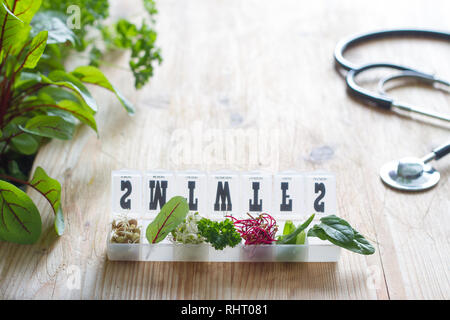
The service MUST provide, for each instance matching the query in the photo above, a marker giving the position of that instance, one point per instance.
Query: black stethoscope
(410, 174)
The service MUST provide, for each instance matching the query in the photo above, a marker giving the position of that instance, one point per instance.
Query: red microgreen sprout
(259, 230)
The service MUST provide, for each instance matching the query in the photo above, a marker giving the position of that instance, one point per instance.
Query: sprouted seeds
(125, 230)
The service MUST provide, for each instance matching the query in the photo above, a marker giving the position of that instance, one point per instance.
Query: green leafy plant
(187, 231)
(333, 229)
(289, 228)
(219, 233)
(292, 237)
(340, 232)
(36, 104)
(171, 215)
(139, 39)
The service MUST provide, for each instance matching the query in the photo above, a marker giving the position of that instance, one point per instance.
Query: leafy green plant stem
(26, 93)
(39, 100)
(8, 141)
(32, 185)
(13, 179)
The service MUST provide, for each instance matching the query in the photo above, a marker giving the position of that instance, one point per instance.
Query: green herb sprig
(219, 234)
(139, 39)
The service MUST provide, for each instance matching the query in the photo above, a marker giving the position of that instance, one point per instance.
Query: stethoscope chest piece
(409, 174)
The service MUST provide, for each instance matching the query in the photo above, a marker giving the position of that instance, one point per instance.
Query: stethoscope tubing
(381, 99)
(377, 99)
(347, 43)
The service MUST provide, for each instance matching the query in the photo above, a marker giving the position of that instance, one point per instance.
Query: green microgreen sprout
(187, 231)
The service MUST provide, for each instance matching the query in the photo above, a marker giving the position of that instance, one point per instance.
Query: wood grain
(255, 65)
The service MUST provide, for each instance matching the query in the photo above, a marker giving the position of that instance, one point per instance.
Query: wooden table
(251, 65)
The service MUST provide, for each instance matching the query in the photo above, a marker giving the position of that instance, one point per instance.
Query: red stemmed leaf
(20, 221)
(50, 190)
(15, 16)
(171, 215)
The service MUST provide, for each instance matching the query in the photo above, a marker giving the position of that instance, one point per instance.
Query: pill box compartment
(314, 250)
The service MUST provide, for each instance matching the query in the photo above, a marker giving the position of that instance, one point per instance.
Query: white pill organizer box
(286, 195)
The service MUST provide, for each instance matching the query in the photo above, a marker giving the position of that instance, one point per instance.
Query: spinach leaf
(339, 232)
(337, 228)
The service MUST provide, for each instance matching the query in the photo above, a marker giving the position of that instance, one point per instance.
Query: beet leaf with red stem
(36, 105)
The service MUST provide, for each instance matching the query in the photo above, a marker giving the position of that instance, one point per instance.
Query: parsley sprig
(219, 233)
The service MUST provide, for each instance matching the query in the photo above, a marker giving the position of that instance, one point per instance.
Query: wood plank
(254, 65)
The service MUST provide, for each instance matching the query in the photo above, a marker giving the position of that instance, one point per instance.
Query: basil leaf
(171, 215)
(20, 221)
(93, 75)
(50, 189)
(50, 127)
